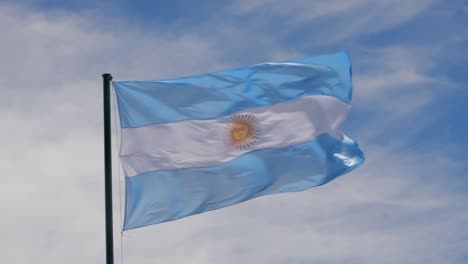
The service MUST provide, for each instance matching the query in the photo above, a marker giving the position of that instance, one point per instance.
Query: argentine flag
(200, 143)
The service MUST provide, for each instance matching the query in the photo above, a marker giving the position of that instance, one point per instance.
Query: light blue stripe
(223, 93)
(162, 196)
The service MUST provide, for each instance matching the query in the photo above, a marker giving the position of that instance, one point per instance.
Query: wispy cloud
(50, 108)
(333, 21)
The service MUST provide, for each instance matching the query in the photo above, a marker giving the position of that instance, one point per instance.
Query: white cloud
(51, 151)
(401, 84)
(334, 20)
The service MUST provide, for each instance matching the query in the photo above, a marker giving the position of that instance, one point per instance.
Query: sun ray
(242, 131)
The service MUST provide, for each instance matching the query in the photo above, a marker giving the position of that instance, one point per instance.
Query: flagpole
(107, 78)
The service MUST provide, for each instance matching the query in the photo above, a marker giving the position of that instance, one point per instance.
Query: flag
(200, 143)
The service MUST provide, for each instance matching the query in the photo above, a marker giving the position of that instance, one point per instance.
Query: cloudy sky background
(406, 204)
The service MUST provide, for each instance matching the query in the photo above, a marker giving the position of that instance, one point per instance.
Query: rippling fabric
(161, 196)
(222, 93)
(200, 143)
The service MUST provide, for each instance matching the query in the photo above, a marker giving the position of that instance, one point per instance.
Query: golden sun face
(242, 131)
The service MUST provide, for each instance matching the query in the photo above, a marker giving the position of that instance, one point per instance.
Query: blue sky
(407, 204)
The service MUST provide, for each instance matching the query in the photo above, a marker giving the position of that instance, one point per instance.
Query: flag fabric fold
(195, 144)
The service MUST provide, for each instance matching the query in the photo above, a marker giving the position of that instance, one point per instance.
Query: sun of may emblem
(242, 131)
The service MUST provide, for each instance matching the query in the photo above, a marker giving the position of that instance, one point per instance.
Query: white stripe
(202, 143)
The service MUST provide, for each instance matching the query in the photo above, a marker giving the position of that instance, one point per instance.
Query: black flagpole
(107, 78)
